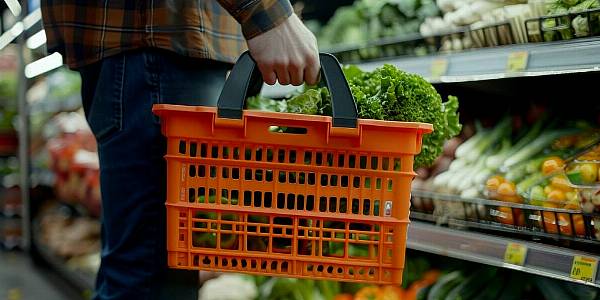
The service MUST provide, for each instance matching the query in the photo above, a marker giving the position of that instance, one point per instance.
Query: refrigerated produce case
(489, 83)
(502, 73)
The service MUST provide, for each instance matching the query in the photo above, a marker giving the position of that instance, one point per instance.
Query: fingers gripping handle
(245, 80)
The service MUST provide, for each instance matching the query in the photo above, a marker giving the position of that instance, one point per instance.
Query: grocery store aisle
(21, 280)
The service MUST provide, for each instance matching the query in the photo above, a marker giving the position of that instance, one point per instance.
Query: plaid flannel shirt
(87, 31)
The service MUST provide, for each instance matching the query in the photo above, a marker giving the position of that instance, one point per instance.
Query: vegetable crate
(287, 194)
(567, 26)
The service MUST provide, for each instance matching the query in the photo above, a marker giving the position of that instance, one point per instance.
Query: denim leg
(118, 94)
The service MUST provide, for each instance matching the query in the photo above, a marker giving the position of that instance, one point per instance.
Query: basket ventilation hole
(182, 147)
(203, 150)
(192, 195)
(193, 148)
(206, 261)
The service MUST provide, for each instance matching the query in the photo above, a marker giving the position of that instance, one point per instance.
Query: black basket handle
(245, 80)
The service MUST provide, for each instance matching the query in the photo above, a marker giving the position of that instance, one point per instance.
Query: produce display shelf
(551, 58)
(492, 215)
(544, 260)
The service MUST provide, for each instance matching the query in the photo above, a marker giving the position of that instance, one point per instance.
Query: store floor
(21, 280)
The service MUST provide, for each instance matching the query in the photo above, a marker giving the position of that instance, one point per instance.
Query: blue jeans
(118, 94)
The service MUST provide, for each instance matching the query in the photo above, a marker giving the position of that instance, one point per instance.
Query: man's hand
(287, 53)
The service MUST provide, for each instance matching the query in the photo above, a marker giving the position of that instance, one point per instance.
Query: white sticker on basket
(387, 210)
(183, 168)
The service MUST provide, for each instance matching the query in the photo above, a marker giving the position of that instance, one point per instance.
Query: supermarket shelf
(544, 260)
(574, 56)
(80, 280)
(555, 58)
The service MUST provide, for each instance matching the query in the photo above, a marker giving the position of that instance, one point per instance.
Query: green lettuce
(386, 93)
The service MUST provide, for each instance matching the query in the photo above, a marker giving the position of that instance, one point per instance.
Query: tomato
(552, 165)
(507, 192)
(494, 182)
(507, 189)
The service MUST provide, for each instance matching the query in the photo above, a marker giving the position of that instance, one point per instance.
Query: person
(133, 54)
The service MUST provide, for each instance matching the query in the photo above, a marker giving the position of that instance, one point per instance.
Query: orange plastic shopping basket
(287, 194)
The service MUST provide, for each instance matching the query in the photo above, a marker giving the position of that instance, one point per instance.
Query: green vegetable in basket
(390, 94)
(209, 239)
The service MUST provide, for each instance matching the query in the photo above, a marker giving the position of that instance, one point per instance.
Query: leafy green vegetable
(390, 94)
(265, 104)
(368, 20)
(387, 93)
(311, 102)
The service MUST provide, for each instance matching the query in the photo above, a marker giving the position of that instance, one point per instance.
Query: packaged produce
(584, 170)
(571, 19)
(555, 192)
(535, 176)
(583, 174)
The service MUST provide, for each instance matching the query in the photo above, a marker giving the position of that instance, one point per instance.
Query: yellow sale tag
(439, 67)
(584, 268)
(515, 254)
(517, 61)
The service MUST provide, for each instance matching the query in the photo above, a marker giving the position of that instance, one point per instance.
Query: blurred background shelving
(500, 58)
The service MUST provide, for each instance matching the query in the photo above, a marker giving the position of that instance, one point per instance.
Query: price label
(515, 254)
(517, 61)
(584, 268)
(439, 67)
